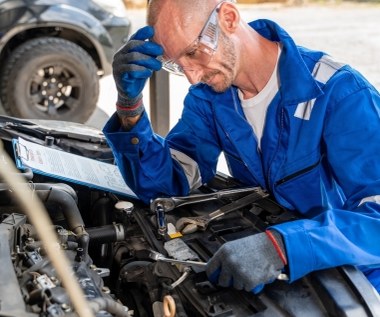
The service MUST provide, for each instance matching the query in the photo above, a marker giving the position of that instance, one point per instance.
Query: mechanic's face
(210, 58)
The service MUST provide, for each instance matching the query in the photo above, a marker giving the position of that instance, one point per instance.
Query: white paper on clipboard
(71, 167)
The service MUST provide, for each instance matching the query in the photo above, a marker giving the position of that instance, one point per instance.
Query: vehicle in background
(53, 53)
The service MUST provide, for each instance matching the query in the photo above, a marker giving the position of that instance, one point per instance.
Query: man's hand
(248, 262)
(132, 65)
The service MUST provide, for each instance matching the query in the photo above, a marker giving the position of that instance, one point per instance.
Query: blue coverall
(320, 155)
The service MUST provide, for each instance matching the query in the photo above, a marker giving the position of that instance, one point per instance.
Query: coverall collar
(291, 78)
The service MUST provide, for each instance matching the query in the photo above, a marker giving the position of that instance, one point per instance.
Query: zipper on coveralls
(298, 173)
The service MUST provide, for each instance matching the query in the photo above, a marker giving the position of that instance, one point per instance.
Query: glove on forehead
(135, 61)
(144, 33)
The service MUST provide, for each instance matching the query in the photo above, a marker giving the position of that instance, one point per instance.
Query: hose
(55, 194)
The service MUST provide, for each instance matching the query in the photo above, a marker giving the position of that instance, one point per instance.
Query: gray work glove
(132, 65)
(247, 263)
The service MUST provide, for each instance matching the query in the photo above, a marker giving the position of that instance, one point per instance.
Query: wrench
(157, 256)
(188, 225)
(170, 203)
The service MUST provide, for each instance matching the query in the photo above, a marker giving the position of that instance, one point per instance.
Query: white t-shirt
(255, 108)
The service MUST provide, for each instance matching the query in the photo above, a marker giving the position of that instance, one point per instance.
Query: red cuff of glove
(277, 246)
(130, 110)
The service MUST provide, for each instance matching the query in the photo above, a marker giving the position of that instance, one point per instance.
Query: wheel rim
(54, 89)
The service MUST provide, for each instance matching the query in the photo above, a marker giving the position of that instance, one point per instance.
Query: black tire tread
(43, 45)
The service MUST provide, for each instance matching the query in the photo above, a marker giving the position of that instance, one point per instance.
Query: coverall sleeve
(349, 235)
(154, 166)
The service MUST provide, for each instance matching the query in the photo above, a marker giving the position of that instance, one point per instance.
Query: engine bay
(133, 259)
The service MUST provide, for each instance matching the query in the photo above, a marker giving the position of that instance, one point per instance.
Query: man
(288, 119)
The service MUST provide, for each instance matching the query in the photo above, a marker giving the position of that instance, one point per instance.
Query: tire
(49, 78)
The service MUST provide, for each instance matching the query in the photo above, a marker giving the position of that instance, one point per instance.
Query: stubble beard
(227, 76)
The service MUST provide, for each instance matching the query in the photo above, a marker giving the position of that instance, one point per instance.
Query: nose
(193, 76)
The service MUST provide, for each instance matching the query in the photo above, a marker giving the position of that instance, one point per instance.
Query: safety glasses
(201, 50)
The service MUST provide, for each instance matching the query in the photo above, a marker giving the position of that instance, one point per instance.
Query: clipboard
(69, 167)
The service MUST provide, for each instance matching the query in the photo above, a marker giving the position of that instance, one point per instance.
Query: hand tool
(163, 204)
(157, 256)
(188, 225)
(169, 203)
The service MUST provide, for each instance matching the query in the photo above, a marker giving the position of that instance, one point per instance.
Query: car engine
(131, 259)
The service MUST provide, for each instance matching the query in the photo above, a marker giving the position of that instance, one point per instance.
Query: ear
(229, 17)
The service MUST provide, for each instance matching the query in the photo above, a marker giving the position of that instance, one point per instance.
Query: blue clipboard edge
(17, 153)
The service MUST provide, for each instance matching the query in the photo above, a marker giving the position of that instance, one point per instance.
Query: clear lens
(201, 57)
(171, 67)
(204, 54)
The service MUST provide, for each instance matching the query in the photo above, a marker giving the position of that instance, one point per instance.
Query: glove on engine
(247, 263)
(132, 65)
